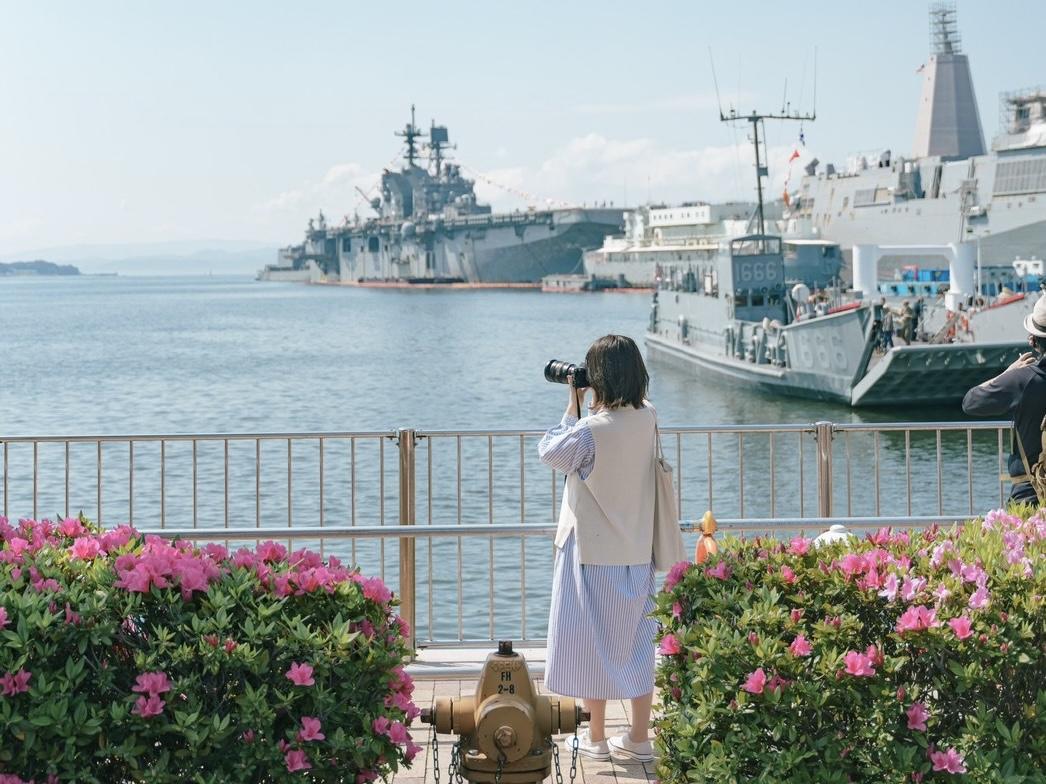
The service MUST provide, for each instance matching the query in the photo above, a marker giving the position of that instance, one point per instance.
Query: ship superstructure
(429, 227)
(950, 189)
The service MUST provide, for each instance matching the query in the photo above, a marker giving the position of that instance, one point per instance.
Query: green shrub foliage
(131, 659)
(905, 657)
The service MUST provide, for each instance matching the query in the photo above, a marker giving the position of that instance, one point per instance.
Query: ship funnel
(962, 266)
(866, 270)
(948, 123)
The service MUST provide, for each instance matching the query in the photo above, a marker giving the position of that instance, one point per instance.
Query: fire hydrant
(506, 729)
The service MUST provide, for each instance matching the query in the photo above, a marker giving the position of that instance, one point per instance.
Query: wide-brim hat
(1035, 322)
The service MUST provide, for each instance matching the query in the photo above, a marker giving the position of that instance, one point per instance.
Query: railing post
(407, 439)
(823, 434)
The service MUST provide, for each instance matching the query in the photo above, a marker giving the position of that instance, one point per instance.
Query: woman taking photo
(600, 638)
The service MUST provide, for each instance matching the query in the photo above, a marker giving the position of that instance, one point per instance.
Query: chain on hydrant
(506, 728)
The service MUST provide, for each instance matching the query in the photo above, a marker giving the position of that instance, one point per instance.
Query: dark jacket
(1019, 395)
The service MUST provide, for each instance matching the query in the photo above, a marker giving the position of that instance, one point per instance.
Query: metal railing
(470, 503)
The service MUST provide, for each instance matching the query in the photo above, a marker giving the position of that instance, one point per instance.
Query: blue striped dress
(600, 638)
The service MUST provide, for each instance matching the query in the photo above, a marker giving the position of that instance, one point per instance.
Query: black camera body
(557, 371)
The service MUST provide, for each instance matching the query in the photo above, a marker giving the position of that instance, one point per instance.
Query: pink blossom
(70, 527)
(71, 617)
(795, 615)
(911, 587)
(411, 751)
(310, 729)
(247, 736)
(85, 549)
(230, 645)
(271, 552)
(917, 618)
(800, 647)
(365, 776)
(721, 571)
(859, 665)
(917, 716)
(979, 598)
(300, 674)
(787, 574)
(889, 591)
(296, 760)
(15, 683)
(800, 545)
(677, 610)
(670, 645)
(675, 574)
(148, 706)
(152, 683)
(755, 682)
(4, 620)
(398, 733)
(961, 627)
(777, 682)
(375, 590)
(941, 592)
(949, 761)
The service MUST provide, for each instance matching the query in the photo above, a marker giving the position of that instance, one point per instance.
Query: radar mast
(411, 134)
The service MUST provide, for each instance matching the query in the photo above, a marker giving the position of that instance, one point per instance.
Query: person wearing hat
(1019, 392)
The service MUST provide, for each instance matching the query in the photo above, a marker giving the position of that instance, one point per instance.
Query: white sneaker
(624, 746)
(586, 747)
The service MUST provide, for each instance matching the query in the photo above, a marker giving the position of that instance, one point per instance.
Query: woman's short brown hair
(616, 372)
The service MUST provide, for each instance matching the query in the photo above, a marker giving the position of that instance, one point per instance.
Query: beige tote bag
(668, 540)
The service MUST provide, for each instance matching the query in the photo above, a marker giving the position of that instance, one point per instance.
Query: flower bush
(905, 657)
(134, 659)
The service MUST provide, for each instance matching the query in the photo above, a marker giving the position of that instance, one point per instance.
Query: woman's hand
(577, 397)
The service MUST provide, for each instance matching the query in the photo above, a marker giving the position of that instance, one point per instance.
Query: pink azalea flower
(979, 599)
(365, 776)
(941, 592)
(961, 627)
(795, 615)
(310, 729)
(300, 674)
(670, 645)
(70, 527)
(85, 548)
(787, 574)
(677, 610)
(247, 736)
(949, 761)
(675, 574)
(917, 716)
(4, 620)
(859, 665)
(911, 587)
(755, 682)
(889, 591)
(411, 751)
(375, 590)
(398, 733)
(148, 706)
(721, 571)
(15, 683)
(917, 618)
(800, 647)
(800, 545)
(381, 725)
(271, 552)
(152, 683)
(296, 760)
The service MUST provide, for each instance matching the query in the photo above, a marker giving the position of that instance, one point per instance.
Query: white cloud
(334, 193)
(594, 168)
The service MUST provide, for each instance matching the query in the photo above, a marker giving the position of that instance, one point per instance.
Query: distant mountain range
(220, 257)
(38, 267)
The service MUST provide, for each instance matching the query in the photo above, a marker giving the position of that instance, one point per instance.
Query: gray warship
(429, 228)
(950, 189)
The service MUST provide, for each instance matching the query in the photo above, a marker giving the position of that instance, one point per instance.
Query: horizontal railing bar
(726, 525)
(305, 436)
(121, 438)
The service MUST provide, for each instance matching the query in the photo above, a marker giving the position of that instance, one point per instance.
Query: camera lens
(557, 371)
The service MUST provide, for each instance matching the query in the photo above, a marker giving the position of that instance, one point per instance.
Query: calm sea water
(124, 355)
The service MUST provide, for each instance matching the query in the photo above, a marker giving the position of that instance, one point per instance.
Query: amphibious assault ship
(429, 228)
(951, 189)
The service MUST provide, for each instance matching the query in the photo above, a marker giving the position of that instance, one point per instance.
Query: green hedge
(904, 657)
(130, 659)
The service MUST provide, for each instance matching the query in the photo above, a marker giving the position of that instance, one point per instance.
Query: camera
(557, 371)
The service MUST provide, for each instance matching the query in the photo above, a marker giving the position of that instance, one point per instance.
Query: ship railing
(460, 522)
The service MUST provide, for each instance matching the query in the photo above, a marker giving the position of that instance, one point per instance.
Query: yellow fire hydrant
(506, 729)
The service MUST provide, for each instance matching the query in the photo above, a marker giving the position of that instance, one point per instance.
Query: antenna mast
(411, 134)
(756, 119)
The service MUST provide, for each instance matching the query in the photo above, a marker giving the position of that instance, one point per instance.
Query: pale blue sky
(143, 122)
